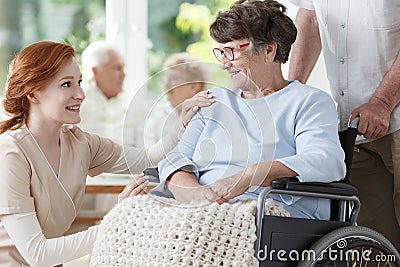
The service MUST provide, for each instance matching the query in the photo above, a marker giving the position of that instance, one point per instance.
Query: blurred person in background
(183, 77)
(103, 111)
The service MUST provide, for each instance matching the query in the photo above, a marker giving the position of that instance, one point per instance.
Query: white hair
(189, 66)
(95, 55)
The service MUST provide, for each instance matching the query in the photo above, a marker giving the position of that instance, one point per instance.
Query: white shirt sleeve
(307, 4)
(316, 141)
(25, 231)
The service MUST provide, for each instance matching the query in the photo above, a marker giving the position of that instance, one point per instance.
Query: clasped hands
(220, 191)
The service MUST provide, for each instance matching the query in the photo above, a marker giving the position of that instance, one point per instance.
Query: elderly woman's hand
(191, 106)
(232, 186)
(201, 195)
(198, 194)
(258, 174)
(137, 186)
(186, 188)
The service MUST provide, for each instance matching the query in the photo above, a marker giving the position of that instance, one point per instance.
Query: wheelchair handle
(354, 123)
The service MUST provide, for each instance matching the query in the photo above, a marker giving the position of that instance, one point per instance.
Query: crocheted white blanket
(154, 231)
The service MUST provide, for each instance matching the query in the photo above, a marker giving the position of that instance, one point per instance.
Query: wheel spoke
(354, 246)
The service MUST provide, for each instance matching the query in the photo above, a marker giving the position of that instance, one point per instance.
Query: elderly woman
(261, 129)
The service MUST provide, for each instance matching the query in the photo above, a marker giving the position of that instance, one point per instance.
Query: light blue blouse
(297, 126)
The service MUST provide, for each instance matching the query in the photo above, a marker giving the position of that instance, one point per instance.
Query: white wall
(126, 28)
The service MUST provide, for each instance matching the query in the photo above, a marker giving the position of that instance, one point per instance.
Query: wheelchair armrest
(152, 173)
(291, 186)
(336, 188)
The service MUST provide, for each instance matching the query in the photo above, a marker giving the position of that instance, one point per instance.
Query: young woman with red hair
(45, 158)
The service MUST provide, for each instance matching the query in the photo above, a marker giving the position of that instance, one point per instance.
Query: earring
(32, 97)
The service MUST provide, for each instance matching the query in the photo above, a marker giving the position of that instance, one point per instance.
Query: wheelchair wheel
(351, 246)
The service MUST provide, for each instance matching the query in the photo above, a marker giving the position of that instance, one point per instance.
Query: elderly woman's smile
(253, 69)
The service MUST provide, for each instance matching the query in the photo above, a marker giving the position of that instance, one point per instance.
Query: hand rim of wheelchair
(353, 237)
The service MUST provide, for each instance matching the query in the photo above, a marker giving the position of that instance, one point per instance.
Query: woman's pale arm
(137, 186)
(259, 174)
(25, 231)
(134, 159)
(186, 188)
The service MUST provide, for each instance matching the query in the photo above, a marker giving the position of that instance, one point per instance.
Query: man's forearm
(388, 92)
(307, 47)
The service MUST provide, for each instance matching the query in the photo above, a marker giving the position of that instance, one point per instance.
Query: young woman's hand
(138, 186)
(191, 106)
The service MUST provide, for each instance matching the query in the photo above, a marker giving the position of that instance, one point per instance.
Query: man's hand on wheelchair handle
(374, 118)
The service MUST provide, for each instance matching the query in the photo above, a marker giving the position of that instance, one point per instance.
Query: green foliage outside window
(26, 21)
(191, 23)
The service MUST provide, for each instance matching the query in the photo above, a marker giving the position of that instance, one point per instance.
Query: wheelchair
(287, 241)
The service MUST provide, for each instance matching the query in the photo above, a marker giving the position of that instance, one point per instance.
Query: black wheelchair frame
(286, 241)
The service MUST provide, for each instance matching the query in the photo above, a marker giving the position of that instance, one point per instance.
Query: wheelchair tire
(352, 246)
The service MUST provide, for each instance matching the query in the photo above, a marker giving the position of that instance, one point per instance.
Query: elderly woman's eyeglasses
(227, 52)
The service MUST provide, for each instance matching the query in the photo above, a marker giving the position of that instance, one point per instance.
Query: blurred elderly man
(104, 108)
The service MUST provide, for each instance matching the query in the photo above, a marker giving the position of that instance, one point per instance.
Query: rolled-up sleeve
(307, 4)
(319, 157)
